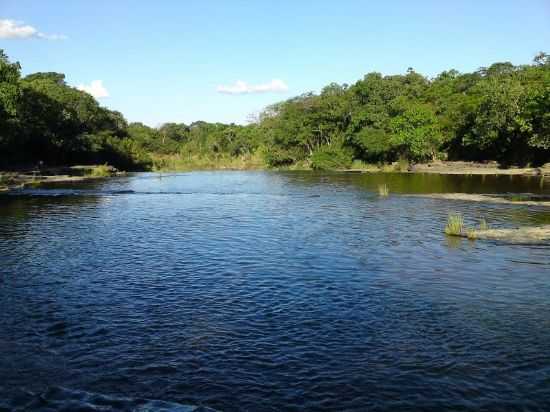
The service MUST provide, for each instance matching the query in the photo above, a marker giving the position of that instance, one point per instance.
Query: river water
(266, 291)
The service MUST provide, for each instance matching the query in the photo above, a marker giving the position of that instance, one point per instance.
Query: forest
(500, 112)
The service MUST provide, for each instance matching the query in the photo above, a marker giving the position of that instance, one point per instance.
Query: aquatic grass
(483, 225)
(473, 233)
(383, 190)
(455, 225)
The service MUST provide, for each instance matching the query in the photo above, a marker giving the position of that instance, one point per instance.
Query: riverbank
(255, 161)
(474, 168)
(451, 168)
(19, 179)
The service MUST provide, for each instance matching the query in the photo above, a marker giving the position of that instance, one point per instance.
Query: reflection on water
(272, 291)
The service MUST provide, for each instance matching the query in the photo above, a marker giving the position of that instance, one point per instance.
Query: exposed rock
(530, 200)
(516, 235)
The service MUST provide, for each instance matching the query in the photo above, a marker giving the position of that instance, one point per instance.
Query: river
(270, 291)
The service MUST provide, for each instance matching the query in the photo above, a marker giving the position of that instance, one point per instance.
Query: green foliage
(331, 158)
(497, 113)
(501, 112)
(416, 133)
(10, 95)
(374, 144)
(47, 120)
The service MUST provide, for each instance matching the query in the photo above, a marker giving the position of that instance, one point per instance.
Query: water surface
(272, 291)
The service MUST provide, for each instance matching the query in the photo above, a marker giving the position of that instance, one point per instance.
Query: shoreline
(438, 167)
(456, 168)
(13, 179)
(16, 180)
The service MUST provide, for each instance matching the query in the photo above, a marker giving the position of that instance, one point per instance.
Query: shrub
(275, 157)
(331, 158)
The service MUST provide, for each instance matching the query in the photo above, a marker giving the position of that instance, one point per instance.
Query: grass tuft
(383, 190)
(483, 225)
(402, 165)
(455, 225)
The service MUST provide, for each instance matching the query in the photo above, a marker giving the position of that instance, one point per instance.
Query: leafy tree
(416, 133)
(10, 95)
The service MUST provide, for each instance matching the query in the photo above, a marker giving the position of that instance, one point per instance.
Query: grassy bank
(178, 162)
(256, 161)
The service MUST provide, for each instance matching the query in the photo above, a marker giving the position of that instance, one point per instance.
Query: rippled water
(271, 291)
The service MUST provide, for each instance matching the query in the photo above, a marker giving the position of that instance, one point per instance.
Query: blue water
(273, 291)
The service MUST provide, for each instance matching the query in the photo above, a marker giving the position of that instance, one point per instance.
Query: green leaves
(416, 134)
(10, 90)
(497, 113)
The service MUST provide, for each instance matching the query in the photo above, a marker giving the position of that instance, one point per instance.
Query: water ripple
(268, 292)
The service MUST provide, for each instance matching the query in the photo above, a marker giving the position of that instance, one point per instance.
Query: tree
(10, 96)
(416, 133)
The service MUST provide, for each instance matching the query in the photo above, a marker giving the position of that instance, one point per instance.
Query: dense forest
(501, 112)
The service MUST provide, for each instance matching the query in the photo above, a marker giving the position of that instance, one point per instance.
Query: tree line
(500, 112)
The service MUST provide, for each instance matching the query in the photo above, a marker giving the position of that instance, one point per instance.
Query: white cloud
(241, 87)
(51, 36)
(95, 88)
(11, 29)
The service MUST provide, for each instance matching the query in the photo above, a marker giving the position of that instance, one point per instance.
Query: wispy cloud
(241, 87)
(12, 29)
(95, 88)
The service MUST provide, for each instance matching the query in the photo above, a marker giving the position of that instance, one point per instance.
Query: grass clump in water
(483, 225)
(473, 233)
(383, 190)
(455, 225)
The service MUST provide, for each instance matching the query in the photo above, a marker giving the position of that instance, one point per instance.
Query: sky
(183, 61)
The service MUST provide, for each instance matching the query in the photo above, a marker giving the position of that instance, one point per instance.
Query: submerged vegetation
(501, 113)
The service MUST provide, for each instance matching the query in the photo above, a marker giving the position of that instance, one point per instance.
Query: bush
(331, 158)
(275, 157)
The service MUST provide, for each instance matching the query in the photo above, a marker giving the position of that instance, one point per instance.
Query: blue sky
(165, 60)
